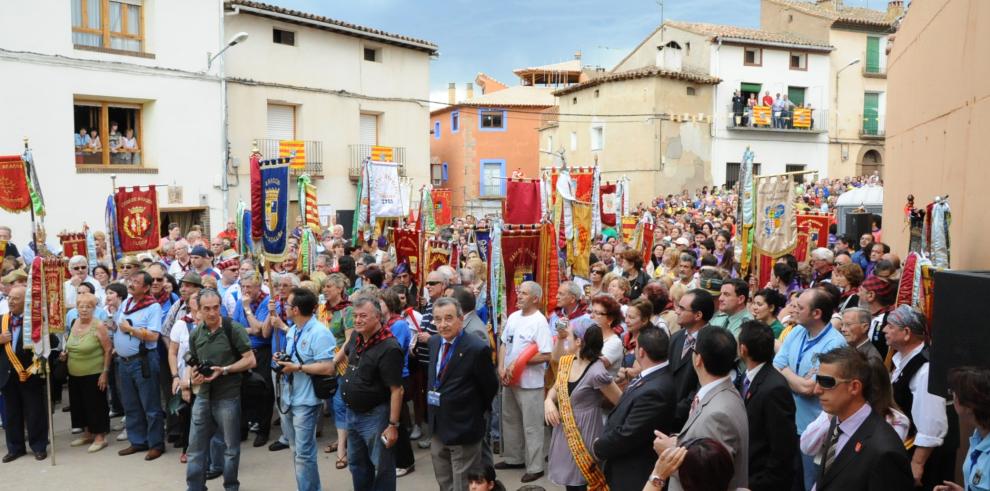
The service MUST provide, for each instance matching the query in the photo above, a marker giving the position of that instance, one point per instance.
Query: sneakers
(416, 433)
(424, 444)
(406, 471)
(76, 431)
(122, 436)
(120, 424)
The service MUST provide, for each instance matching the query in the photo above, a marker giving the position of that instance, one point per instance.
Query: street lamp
(238, 38)
(835, 107)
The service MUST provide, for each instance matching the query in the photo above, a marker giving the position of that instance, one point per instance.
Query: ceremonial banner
(295, 151)
(745, 218)
(522, 202)
(407, 249)
(425, 220)
(812, 234)
(137, 219)
(34, 184)
(113, 235)
(73, 244)
(362, 208)
(519, 259)
(776, 225)
(761, 115)
(242, 219)
(35, 302)
(441, 205)
(608, 204)
(54, 273)
(628, 228)
(307, 204)
(15, 196)
(275, 189)
(384, 192)
(548, 272)
(646, 237)
(382, 154)
(438, 255)
(579, 247)
(257, 200)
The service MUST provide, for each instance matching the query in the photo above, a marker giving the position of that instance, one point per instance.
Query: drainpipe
(224, 130)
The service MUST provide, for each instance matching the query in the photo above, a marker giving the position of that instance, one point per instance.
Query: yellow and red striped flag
(285, 149)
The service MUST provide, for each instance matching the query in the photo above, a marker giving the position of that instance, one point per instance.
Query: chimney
(577, 55)
(470, 90)
(895, 8)
(452, 93)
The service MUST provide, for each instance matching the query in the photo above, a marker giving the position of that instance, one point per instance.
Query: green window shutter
(748, 87)
(871, 113)
(872, 54)
(796, 95)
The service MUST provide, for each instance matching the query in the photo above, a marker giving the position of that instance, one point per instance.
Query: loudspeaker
(858, 224)
(960, 333)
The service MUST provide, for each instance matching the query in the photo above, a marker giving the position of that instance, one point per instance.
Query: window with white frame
(573, 141)
(597, 137)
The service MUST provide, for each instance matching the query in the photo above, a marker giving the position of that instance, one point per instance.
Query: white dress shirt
(927, 411)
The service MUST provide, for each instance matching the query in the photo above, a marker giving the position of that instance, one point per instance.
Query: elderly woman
(607, 315)
(337, 314)
(88, 354)
(848, 277)
(79, 271)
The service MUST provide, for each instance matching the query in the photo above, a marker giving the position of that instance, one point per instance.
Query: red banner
(407, 250)
(522, 202)
(257, 202)
(647, 242)
(442, 212)
(438, 254)
(607, 205)
(583, 177)
(14, 194)
(548, 272)
(37, 282)
(54, 275)
(812, 234)
(73, 244)
(137, 219)
(519, 258)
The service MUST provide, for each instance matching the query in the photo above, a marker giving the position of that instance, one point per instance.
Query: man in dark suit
(773, 440)
(694, 310)
(24, 393)
(626, 443)
(461, 386)
(861, 450)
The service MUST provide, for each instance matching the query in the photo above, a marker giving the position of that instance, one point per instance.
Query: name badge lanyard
(445, 360)
(807, 344)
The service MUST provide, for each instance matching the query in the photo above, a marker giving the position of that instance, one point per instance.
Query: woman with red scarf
(338, 315)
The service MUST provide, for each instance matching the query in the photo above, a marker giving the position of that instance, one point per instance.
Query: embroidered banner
(628, 228)
(522, 201)
(257, 200)
(548, 273)
(812, 234)
(15, 196)
(54, 273)
(646, 239)
(438, 255)
(307, 203)
(297, 159)
(275, 190)
(73, 244)
(137, 219)
(519, 258)
(407, 249)
(579, 247)
(36, 302)
(608, 205)
(383, 188)
(441, 205)
(776, 226)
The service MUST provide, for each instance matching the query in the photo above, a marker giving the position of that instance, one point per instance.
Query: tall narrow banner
(425, 221)
(137, 219)
(384, 192)
(438, 254)
(548, 272)
(361, 208)
(596, 202)
(275, 189)
(579, 247)
(746, 219)
(54, 273)
(482, 237)
(812, 233)
(442, 213)
(15, 196)
(776, 223)
(73, 244)
(519, 259)
(242, 220)
(113, 235)
(496, 278)
(257, 199)
(407, 250)
(295, 150)
(34, 184)
(522, 202)
(628, 228)
(608, 204)
(646, 228)
(307, 203)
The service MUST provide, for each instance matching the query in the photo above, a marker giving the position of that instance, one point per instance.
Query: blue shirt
(260, 313)
(315, 344)
(976, 467)
(149, 318)
(800, 354)
(400, 329)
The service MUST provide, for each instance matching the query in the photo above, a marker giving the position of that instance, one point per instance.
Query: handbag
(324, 386)
(176, 404)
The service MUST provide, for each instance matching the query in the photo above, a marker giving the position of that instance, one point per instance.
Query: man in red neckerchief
(23, 392)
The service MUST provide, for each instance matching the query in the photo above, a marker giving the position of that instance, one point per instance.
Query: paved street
(260, 469)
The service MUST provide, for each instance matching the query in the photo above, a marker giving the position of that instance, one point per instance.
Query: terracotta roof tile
(647, 72)
(845, 14)
(748, 34)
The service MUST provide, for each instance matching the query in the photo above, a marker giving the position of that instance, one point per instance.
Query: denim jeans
(372, 465)
(211, 417)
(299, 426)
(142, 402)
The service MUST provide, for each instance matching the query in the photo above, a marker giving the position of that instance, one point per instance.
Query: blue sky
(496, 37)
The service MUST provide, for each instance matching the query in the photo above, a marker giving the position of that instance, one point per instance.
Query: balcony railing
(313, 154)
(550, 117)
(361, 152)
(873, 127)
(763, 118)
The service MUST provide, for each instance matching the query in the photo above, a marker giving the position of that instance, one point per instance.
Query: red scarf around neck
(333, 309)
(163, 297)
(132, 306)
(366, 344)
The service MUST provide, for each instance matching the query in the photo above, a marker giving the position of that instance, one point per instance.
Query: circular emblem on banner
(136, 224)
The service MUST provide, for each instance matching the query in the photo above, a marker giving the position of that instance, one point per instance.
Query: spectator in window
(750, 104)
(116, 142)
(130, 146)
(778, 108)
(767, 100)
(737, 108)
(82, 140)
(95, 143)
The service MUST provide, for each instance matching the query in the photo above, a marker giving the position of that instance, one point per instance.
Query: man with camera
(309, 354)
(219, 352)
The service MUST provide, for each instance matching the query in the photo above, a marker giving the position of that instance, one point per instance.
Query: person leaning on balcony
(778, 108)
(130, 147)
(750, 104)
(767, 100)
(737, 108)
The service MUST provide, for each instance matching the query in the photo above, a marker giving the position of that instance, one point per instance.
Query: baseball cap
(200, 251)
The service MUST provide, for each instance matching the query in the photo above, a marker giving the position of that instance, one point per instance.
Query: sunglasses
(78, 268)
(158, 280)
(827, 382)
(432, 283)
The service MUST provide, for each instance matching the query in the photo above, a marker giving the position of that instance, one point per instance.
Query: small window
(732, 170)
(753, 56)
(574, 100)
(573, 141)
(115, 25)
(492, 119)
(372, 54)
(596, 93)
(799, 61)
(550, 143)
(597, 137)
(493, 178)
(436, 130)
(796, 168)
(287, 38)
(107, 133)
(691, 91)
(455, 121)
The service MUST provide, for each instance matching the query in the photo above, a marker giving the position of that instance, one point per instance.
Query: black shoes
(506, 465)
(527, 477)
(12, 457)
(275, 447)
(260, 440)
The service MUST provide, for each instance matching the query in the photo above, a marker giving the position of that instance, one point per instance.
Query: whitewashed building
(753, 61)
(69, 65)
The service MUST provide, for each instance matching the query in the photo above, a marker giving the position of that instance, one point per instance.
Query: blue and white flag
(275, 200)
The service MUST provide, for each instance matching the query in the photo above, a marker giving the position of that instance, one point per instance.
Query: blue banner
(275, 199)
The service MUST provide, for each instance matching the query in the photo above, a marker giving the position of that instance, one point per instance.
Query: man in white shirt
(522, 404)
(182, 262)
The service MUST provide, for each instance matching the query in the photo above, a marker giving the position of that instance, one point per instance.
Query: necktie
(833, 445)
(688, 346)
(745, 387)
(635, 382)
(694, 405)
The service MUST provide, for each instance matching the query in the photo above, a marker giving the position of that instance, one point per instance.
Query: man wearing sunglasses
(79, 269)
(861, 450)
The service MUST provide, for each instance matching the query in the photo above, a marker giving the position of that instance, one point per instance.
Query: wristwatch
(225, 369)
(656, 481)
(394, 425)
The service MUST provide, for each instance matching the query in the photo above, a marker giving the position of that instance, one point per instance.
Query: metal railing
(361, 152)
(873, 126)
(313, 154)
(763, 118)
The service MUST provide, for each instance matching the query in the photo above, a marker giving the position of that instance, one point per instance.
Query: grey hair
(863, 315)
(207, 293)
(448, 273)
(339, 280)
(823, 254)
(467, 275)
(572, 288)
(534, 288)
(250, 275)
(443, 301)
(77, 259)
(907, 317)
(687, 257)
(291, 276)
(362, 300)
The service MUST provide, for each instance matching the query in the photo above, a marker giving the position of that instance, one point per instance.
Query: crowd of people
(677, 372)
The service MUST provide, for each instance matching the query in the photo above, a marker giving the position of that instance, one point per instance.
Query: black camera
(205, 368)
(280, 357)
